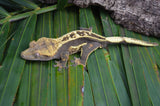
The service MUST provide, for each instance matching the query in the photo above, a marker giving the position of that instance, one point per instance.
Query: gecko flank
(84, 41)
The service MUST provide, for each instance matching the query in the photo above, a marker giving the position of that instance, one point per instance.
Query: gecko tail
(129, 41)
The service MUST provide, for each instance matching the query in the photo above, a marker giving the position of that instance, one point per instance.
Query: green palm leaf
(3, 13)
(12, 68)
(61, 4)
(118, 75)
(26, 4)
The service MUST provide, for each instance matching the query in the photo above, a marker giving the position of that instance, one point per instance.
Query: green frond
(61, 4)
(3, 13)
(26, 4)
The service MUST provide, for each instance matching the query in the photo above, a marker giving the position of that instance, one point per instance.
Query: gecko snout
(22, 55)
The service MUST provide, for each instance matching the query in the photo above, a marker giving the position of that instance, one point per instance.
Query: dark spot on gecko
(65, 38)
(87, 33)
(80, 33)
(72, 35)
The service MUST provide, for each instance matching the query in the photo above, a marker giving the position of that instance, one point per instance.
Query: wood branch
(142, 16)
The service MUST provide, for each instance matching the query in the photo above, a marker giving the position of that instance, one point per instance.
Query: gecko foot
(59, 65)
(77, 61)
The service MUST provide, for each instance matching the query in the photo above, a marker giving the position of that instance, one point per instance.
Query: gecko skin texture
(84, 41)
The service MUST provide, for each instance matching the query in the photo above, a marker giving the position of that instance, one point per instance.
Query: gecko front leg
(85, 52)
(62, 63)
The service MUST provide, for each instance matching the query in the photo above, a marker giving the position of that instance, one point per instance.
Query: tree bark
(142, 16)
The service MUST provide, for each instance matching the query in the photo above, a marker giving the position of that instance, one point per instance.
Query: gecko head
(41, 50)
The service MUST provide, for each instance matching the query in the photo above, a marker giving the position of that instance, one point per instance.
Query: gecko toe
(54, 65)
(58, 64)
(75, 58)
(60, 69)
(72, 61)
(76, 61)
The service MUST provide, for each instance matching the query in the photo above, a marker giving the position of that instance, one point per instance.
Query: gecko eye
(37, 54)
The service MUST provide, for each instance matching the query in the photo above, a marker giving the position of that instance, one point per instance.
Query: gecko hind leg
(85, 52)
(62, 63)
